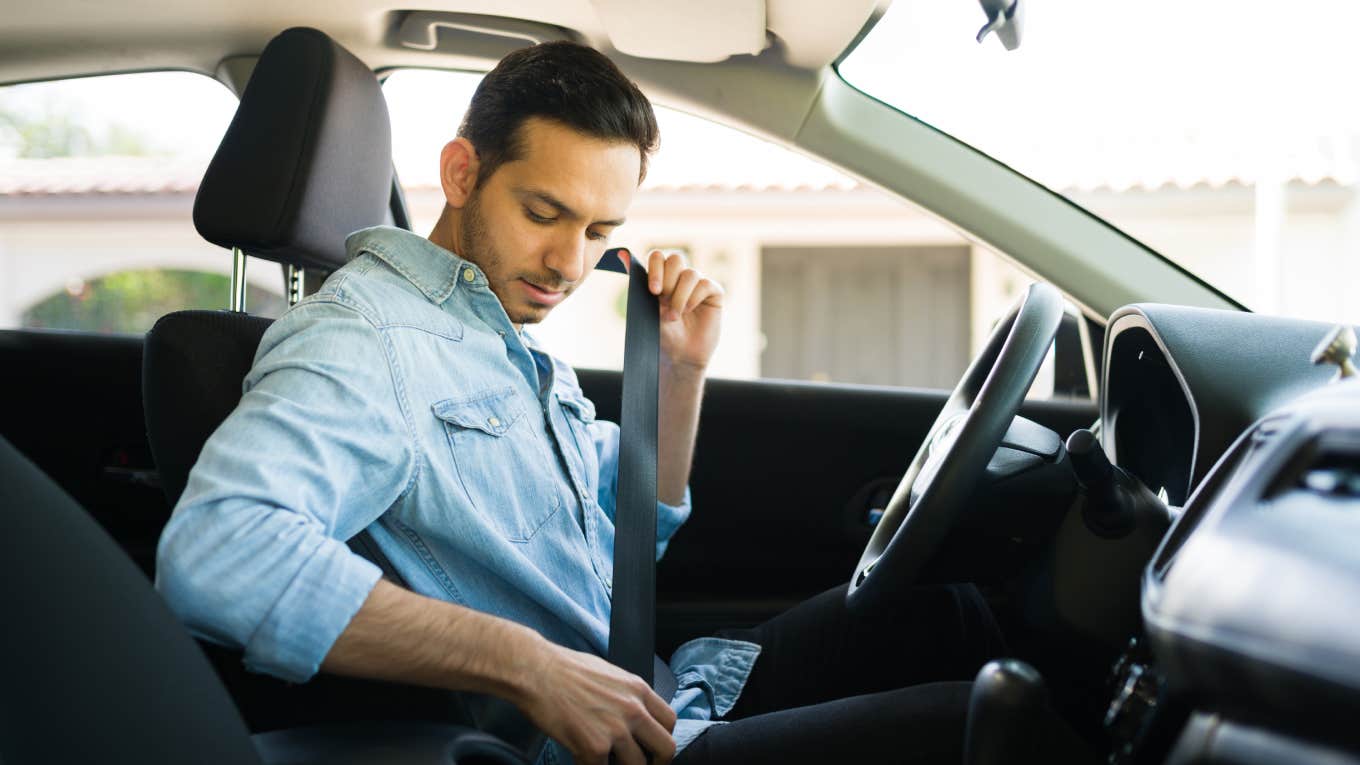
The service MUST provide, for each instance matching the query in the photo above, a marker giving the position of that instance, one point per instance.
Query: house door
(873, 315)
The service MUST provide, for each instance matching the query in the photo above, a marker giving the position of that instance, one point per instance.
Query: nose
(567, 257)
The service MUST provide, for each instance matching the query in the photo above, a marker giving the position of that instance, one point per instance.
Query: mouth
(540, 295)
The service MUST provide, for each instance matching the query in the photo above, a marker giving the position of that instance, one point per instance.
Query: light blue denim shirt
(400, 399)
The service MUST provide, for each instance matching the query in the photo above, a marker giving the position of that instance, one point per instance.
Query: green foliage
(131, 301)
(62, 134)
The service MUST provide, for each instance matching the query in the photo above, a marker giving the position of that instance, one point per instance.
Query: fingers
(653, 731)
(675, 267)
(642, 730)
(595, 708)
(656, 267)
(659, 710)
(680, 288)
(664, 271)
(627, 752)
(679, 295)
(706, 291)
(657, 740)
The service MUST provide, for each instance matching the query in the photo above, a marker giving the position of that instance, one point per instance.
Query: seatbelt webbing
(632, 620)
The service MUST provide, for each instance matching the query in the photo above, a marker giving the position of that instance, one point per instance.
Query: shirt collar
(433, 270)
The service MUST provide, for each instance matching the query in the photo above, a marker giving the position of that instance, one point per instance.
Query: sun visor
(696, 30)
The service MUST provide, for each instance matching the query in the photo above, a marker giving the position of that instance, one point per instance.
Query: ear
(458, 171)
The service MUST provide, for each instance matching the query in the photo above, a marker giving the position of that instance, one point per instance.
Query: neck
(447, 231)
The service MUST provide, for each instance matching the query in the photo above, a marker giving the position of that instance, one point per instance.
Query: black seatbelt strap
(632, 618)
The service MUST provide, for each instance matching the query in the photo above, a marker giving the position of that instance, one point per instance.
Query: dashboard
(1250, 647)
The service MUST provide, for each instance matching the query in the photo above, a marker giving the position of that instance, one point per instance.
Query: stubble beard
(475, 246)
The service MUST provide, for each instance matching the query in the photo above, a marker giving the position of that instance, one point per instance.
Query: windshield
(1221, 134)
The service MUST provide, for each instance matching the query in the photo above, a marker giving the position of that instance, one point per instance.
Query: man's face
(540, 223)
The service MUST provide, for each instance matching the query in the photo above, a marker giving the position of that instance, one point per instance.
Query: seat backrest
(306, 160)
(192, 367)
(93, 666)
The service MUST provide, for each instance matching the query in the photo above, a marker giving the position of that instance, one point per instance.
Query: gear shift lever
(1008, 698)
(1010, 720)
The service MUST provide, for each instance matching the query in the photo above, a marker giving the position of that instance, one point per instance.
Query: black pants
(834, 687)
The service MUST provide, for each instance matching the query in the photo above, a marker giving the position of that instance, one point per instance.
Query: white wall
(42, 255)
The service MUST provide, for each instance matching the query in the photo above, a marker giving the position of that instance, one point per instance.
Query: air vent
(1328, 466)
(1333, 474)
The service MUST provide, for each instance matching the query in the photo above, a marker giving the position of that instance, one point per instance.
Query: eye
(536, 218)
(597, 236)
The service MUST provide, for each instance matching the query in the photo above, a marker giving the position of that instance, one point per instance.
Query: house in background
(793, 244)
(790, 252)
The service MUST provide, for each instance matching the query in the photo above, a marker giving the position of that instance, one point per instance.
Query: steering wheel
(955, 454)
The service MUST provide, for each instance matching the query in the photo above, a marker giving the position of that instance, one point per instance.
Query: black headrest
(307, 158)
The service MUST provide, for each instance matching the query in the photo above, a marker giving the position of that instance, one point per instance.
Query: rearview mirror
(1005, 18)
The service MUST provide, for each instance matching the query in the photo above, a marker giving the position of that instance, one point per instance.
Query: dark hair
(571, 84)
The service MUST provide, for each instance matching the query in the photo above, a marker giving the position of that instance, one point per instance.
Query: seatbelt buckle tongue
(614, 259)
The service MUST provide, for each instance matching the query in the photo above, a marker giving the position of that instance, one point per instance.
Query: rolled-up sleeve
(253, 556)
(669, 518)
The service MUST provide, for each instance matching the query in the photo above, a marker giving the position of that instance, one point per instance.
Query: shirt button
(468, 275)
(493, 422)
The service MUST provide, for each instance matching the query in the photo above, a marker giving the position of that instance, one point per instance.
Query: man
(405, 398)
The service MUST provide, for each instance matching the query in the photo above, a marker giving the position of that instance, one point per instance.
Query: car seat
(306, 160)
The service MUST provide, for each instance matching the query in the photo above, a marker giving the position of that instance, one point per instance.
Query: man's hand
(691, 309)
(594, 709)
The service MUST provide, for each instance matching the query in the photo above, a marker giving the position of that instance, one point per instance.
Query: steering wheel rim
(961, 441)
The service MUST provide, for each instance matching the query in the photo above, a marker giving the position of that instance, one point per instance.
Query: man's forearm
(589, 705)
(400, 636)
(681, 389)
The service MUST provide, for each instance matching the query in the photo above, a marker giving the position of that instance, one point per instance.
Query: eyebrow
(561, 207)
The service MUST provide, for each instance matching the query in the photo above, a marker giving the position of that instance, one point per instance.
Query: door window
(97, 182)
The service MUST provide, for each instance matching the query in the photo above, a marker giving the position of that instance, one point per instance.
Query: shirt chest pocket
(501, 462)
(580, 413)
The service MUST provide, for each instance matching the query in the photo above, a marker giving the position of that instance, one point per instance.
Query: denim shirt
(400, 399)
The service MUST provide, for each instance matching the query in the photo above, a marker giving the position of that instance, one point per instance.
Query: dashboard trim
(1131, 317)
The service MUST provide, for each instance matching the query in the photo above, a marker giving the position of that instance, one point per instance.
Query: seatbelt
(632, 617)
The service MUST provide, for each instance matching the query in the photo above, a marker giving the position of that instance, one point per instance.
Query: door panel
(775, 469)
(72, 403)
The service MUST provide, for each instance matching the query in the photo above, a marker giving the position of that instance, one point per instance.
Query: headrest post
(296, 281)
(238, 280)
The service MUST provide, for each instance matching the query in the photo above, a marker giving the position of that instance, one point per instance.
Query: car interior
(1171, 557)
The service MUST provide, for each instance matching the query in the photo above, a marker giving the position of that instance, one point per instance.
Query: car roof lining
(43, 41)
